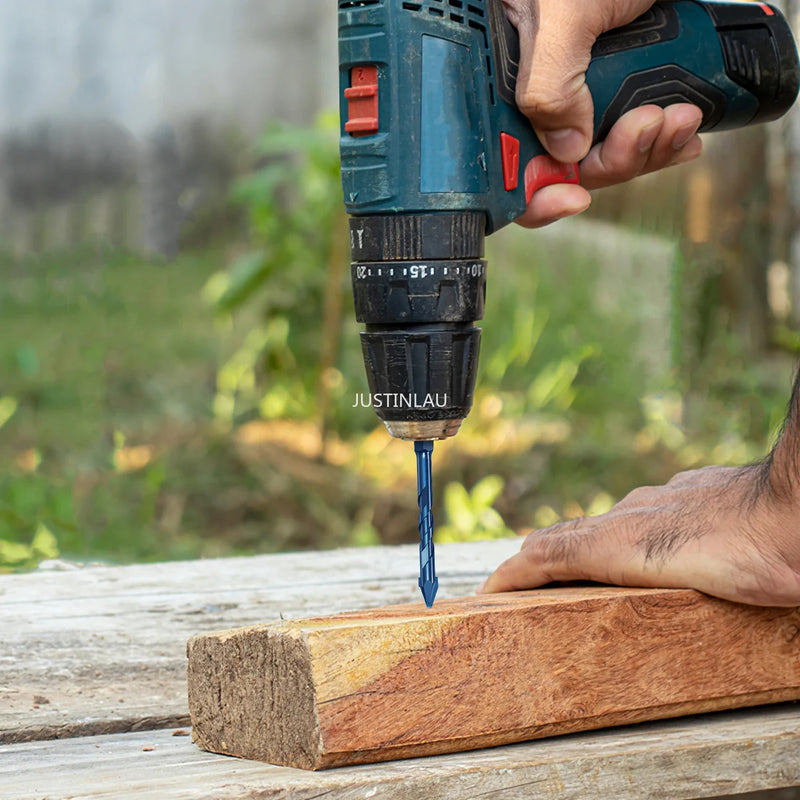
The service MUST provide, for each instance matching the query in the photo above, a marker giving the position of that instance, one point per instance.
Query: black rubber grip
(659, 24)
(663, 86)
(760, 54)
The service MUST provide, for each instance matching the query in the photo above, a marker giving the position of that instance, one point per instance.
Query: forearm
(781, 468)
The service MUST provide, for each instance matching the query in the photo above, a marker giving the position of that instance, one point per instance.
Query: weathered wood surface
(88, 638)
(405, 681)
(720, 754)
(106, 646)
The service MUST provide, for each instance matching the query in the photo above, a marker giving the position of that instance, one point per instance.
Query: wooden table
(92, 694)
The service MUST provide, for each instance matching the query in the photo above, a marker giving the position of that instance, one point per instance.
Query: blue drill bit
(428, 581)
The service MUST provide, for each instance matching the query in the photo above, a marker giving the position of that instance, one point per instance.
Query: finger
(554, 554)
(626, 150)
(553, 203)
(644, 140)
(556, 39)
(678, 140)
(648, 547)
(689, 152)
(551, 86)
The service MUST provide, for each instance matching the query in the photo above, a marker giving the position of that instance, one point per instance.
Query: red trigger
(545, 171)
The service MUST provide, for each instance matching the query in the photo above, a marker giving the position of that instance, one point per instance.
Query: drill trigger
(544, 171)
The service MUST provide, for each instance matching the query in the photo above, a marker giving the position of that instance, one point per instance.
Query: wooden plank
(106, 646)
(721, 754)
(482, 671)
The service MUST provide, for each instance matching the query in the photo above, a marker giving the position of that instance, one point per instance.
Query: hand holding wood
(730, 532)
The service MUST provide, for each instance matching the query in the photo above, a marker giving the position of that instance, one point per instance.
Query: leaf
(14, 554)
(458, 507)
(447, 534)
(261, 186)
(493, 525)
(44, 544)
(11, 517)
(486, 491)
(601, 504)
(215, 287)
(246, 277)
(364, 535)
(529, 324)
(8, 407)
(155, 476)
(316, 143)
(553, 384)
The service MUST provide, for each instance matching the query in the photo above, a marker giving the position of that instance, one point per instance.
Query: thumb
(555, 51)
(566, 551)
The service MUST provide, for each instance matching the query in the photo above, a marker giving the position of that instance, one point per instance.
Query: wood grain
(719, 754)
(91, 637)
(107, 645)
(404, 682)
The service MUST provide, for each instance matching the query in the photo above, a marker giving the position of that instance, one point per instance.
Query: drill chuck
(419, 285)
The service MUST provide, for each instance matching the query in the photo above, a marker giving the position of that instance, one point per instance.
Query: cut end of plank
(251, 694)
(403, 681)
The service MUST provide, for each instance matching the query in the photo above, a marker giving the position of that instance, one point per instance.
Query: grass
(108, 366)
(108, 440)
(96, 343)
(103, 353)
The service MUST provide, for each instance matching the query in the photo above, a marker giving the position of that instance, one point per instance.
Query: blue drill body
(443, 98)
(436, 155)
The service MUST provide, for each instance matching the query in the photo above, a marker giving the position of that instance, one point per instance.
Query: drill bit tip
(429, 589)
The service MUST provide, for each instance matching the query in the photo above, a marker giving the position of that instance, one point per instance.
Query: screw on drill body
(428, 582)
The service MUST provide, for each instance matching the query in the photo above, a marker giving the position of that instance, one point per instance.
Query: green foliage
(554, 385)
(786, 338)
(116, 376)
(15, 555)
(469, 515)
(546, 348)
(8, 407)
(32, 511)
(96, 340)
(298, 225)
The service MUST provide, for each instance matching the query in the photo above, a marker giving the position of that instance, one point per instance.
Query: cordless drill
(435, 156)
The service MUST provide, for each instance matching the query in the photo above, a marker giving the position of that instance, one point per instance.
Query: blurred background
(179, 358)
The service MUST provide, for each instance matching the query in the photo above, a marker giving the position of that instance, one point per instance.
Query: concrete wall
(101, 96)
(141, 62)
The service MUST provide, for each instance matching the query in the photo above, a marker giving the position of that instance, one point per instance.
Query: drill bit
(428, 582)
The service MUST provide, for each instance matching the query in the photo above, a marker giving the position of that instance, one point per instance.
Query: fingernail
(480, 589)
(567, 145)
(688, 153)
(649, 135)
(684, 134)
